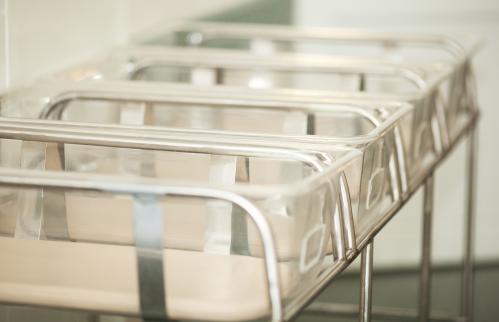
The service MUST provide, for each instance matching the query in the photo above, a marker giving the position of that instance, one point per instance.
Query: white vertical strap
(218, 236)
(132, 114)
(261, 79)
(262, 47)
(219, 223)
(295, 123)
(203, 76)
(203, 118)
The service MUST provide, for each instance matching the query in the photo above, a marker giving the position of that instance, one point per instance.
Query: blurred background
(40, 37)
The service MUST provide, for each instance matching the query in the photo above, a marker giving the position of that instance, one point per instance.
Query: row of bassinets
(225, 178)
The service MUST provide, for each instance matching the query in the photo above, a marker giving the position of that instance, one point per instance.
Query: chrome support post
(366, 283)
(468, 261)
(424, 296)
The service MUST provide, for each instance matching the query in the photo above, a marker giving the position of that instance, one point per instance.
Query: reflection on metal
(366, 276)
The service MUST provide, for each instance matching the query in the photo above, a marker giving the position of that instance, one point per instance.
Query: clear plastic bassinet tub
(444, 98)
(88, 229)
(268, 39)
(373, 129)
(454, 50)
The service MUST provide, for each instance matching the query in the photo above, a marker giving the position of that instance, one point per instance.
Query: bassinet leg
(468, 260)
(425, 270)
(366, 283)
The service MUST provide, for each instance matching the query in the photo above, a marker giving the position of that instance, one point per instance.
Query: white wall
(39, 37)
(399, 243)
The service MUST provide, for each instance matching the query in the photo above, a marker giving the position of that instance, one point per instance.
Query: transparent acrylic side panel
(379, 190)
(254, 78)
(316, 249)
(457, 97)
(377, 50)
(339, 121)
(201, 226)
(419, 140)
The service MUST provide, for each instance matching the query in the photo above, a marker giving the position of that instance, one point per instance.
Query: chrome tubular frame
(147, 57)
(146, 194)
(147, 94)
(118, 136)
(200, 32)
(149, 238)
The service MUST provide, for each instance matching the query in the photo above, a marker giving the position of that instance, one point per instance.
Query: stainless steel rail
(149, 93)
(200, 32)
(146, 57)
(154, 189)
